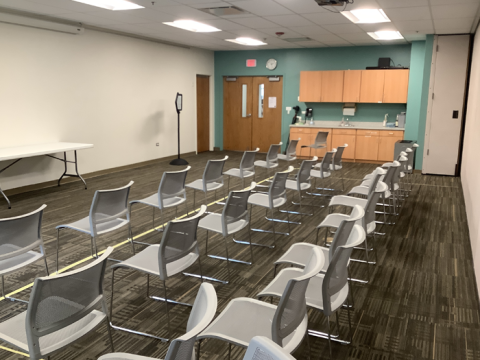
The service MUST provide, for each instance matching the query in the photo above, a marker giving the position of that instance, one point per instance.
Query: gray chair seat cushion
(237, 173)
(147, 261)
(286, 157)
(262, 200)
(318, 174)
(263, 164)
(198, 185)
(83, 225)
(153, 201)
(10, 265)
(213, 222)
(292, 185)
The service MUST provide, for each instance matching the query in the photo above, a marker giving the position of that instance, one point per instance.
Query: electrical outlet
(157, 144)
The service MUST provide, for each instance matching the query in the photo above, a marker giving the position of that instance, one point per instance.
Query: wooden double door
(252, 112)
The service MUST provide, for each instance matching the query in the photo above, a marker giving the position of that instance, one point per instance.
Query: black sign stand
(178, 105)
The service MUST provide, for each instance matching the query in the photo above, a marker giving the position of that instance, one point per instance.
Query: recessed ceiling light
(366, 16)
(246, 41)
(112, 4)
(191, 25)
(386, 35)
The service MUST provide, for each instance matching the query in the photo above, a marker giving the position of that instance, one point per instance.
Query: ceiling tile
(363, 4)
(388, 4)
(415, 25)
(255, 22)
(414, 37)
(122, 16)
(250, 33)
(301, 6)
(66, 5)
(378, 27)
(410, 13)
(289, 20)
(185, 12)
(310, 30)
(288, 33)
(311, 44)
(262, 8)
(356, 37)
(153, 15)
(451, 2)
(327, 38)
(343, 28)
(455, 11)
(458, 24)
(223, 24)
(154, 4)
(193, 2)
(451, 31)
(207, 4)
(327, 18)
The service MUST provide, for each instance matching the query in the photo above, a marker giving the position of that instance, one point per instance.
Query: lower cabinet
(340, 137)
(366, 145)
(386, 144)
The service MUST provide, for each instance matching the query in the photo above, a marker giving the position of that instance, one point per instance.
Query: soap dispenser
(385, 120)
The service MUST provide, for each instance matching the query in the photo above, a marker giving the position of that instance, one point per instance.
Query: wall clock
(271, 64)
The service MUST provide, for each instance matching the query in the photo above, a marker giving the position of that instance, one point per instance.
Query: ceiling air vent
(225, 10)
(299, 39)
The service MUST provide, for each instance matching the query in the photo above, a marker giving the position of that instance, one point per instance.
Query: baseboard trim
(66, 180)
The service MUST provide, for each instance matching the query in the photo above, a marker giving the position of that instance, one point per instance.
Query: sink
(348, 125)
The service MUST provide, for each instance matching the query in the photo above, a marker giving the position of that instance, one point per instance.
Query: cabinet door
(396, 86)
(366, 147)
(342, 139)
(332, 86)
(310, 86)
(305, 140)
(371, 90)
(386, 146)
(351, 85)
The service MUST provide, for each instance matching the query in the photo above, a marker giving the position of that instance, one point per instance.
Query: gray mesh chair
(291, 153)
(301, 183)
(234, 218)
(323, 171)
(246, 170)
(326, 292)
(171, 193)
(336, 164)
(177, 251)
(212, 179)
(271, 160)
(320, 142)
(106, 215)
(61, 310)
(19, 238)
(275, 198)
(262, 348)
(285, 324)
(182, 348)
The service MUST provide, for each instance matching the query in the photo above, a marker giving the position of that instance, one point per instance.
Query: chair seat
(347, 201)
(314, 289)
(13, 330)
(286, 157)
(213, 222)
(336, 167)
(83, 225)
(318, 174)
(237, 173)
(359, 190)
(263, 164)
(153, 201)
(298, 254)
(124, 356)
(317, 146)
(245, 318)
(262, 200)
(292, 185)
(147, 261)
(198, 185)
(12, 264)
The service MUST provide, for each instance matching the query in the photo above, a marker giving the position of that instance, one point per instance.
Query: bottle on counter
(385, 120)
(342, 123)
(396, 122)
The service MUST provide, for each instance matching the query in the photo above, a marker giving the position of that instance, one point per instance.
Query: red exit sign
(251, 63)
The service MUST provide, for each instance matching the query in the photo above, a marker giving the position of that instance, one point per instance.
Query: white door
(445, 107)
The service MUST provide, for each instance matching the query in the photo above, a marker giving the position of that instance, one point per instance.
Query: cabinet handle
(367, 136)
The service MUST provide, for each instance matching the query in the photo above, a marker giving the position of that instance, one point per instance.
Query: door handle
(249, 115)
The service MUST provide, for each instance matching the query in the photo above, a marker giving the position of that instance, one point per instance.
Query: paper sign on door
(272, 102)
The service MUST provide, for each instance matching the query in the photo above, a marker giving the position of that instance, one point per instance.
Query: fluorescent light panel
(366, 16)
(246, 41)
(111, 4)
(386, 35)
(191, 25)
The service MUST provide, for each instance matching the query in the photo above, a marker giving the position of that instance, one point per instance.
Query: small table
(18, 153)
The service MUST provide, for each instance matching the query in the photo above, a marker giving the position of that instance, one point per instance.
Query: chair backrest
(21, 234)
(403, 160)
(336, 277)
(292, 307)
(378, 174)
(248, 160)
(202, 314)
(272, 154)
(402, 163)
(179, 239)
(292, 149)
(172, 185)
(277, 186)
(59, 301)
(303, 175)
(326, 162)
(262, 348)
(321, 138)
(337, 159)
(390, 175)
(372, 201)
(213, 172)
(108, 205)
(236, 208)
(344, 230)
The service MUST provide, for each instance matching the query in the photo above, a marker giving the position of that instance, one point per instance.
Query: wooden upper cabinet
(310, 86)
(351, 85)
(371, 90)
(396, 86)
(332, 86)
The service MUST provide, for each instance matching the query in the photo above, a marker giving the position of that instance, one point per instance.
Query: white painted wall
(471, 153)
(113, 91)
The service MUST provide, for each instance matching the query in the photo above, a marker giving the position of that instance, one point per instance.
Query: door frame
(211, 104)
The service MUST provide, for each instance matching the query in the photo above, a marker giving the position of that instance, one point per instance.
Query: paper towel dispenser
(349, 109)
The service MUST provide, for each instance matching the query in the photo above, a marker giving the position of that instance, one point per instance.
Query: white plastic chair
(271, 160)
(323, 171)
(302, 182)
(291, 153)
(262, 348)
(106, 215)
(246, 169)
(285, 324)
(182, 348)
(320, 142)
(336, 164)
(62, 309)
(20, 236)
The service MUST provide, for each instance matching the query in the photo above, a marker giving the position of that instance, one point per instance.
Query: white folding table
(18, 153)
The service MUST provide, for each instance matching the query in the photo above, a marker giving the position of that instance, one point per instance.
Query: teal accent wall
(292, 61)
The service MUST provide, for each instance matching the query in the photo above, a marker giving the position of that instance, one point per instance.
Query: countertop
(357, 125)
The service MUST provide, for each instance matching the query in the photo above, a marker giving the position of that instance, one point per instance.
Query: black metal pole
(178, 160)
